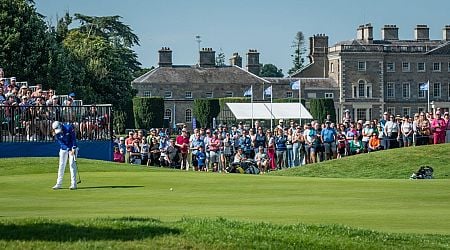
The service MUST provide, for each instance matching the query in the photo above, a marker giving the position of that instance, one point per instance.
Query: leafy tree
(205, 110)
(102, 46)
(24, 41)
(299, 51)
(270, 70)
(142, 71)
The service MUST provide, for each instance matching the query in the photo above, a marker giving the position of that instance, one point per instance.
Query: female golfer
(65, 135)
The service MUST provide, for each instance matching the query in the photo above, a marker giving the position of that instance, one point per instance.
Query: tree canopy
(94, 58)
(270, 70)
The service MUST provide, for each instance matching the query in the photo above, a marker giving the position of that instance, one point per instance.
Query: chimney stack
(165, 57)
(422, 32)
(365, 33)
(253, 65)
(207, 57)
(236, 59)
(389, 32)
(318, 45)
(446, 33)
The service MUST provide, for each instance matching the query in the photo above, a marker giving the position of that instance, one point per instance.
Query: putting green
(419, 206)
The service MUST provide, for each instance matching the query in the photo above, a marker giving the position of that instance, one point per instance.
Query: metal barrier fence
(29, 123)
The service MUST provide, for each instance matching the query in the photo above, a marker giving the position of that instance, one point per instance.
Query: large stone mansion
(364, 76)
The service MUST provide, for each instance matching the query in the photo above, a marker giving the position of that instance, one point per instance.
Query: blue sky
(238, 25)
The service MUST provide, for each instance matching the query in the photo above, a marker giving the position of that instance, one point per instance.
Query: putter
(78, 172)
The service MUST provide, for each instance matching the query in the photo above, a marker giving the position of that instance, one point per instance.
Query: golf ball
(171, 189)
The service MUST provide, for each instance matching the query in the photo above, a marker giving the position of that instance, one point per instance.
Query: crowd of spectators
(27, 112)
(286, 146)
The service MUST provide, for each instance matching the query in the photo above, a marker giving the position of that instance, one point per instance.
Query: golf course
(360, 202)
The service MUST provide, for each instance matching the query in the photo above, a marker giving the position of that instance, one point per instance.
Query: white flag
(295, 85)
(268, 91)
(424, 86)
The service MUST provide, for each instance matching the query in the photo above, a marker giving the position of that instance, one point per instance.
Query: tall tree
(299, 51)
(103, 46)
(220, 59)
(270, 70)
(24, 41)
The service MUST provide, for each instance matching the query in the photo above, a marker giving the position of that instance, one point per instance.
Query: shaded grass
(188, 233)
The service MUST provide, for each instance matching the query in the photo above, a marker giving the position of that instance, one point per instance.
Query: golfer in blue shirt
(65, 136)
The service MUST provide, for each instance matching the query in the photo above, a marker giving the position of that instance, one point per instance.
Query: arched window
(188, 115)
(168, 115)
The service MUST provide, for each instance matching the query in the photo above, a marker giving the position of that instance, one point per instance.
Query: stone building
(179, 85)
(374, 76)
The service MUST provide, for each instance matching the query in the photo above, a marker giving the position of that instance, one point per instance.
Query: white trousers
(63, 155)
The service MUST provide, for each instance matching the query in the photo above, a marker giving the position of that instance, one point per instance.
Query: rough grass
(361, 202)
(144, 233)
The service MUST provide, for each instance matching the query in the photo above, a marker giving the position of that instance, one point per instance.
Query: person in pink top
(438, 127)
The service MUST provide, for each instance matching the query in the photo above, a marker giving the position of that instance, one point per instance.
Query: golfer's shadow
(95, 187)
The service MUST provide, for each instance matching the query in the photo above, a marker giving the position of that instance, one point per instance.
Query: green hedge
(148, 112)
(205, 110)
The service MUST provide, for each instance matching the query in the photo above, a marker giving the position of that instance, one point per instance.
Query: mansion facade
(364, 76)
(384, 75)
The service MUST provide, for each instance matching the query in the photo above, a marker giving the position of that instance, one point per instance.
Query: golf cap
(121, 138)
(56, 125)
(385, 113)
(184, 130)
(71, 95)
(438, 112)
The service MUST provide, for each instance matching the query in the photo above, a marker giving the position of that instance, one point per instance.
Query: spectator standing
(438, 127)
(447, 127)
(182, 142)
(407, 131)
(129, 146)
(298, 147)
(271, 149)
(290, 148)
(391, 130)
(280, 146)
(328, 137)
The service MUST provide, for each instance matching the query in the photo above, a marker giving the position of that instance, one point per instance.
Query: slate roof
(308, 83)
(198, 75)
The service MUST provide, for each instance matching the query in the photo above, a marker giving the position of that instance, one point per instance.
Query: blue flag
(249, 92)
(268, 91)
(295, 85)
(424, 86)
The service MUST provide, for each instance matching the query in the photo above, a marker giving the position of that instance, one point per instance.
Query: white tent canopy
(269, 111)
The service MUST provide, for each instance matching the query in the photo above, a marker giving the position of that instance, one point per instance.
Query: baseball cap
(121, 138)
(438, 112)
(184, 130)
(71, 94)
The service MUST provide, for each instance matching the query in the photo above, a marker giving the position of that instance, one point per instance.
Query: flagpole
(271, 112)
(251, 91)
(428, 99)
(300, 99)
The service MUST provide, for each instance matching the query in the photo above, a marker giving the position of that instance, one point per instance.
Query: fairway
(111, 190)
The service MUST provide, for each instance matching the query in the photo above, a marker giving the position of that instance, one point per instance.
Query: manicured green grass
(388, 164)
(125, 206)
